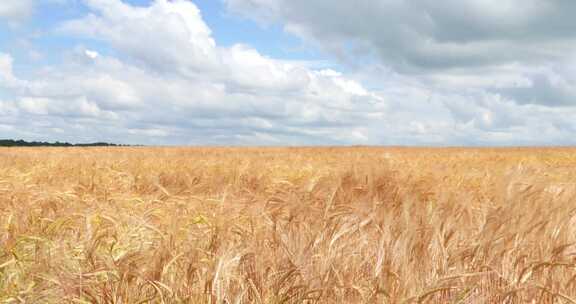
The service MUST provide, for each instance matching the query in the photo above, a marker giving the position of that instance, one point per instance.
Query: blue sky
(288, 72)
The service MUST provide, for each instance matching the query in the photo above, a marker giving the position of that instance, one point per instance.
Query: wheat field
(287, 225)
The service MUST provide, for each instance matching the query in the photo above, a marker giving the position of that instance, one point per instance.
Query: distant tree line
(22, 143)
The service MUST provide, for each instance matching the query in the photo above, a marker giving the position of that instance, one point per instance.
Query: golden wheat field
(287, 225)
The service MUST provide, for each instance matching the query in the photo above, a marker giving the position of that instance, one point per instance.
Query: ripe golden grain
(287, 225)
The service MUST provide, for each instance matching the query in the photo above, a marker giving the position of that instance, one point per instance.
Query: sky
(289, 72)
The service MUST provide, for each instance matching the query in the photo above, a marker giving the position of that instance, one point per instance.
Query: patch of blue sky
(6, 36)
(50, 17)
(38, 41)
(270, 40)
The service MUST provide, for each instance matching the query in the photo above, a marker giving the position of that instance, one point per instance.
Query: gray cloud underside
(511, 44)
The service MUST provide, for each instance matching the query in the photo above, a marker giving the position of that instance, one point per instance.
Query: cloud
(497, 46)
(420, 35)
(182, 42)
(15, 10)
(171, 82)
(158, 76)
(546, 89)
(6, 69)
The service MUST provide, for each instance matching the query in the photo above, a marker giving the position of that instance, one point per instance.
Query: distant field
(287, 225)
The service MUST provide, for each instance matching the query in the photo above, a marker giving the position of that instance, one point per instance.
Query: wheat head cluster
(287, 225)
